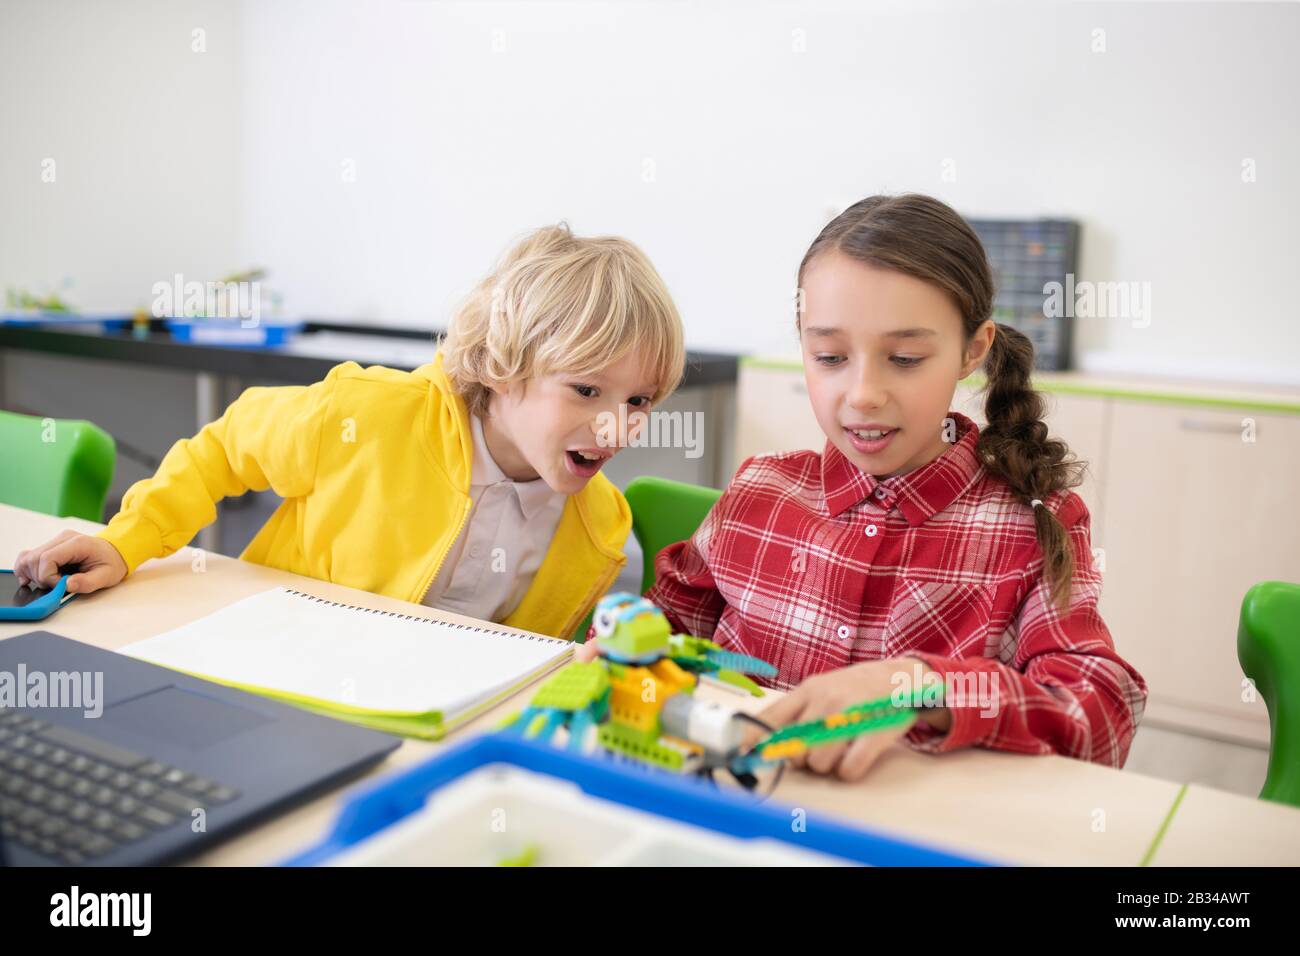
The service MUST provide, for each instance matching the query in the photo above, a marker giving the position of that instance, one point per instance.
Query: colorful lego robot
(637, 700)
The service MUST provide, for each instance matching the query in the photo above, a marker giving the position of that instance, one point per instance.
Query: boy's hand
(99, 564)
(833, 691)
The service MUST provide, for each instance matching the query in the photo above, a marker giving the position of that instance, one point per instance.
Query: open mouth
(585, 462)
(870, 441)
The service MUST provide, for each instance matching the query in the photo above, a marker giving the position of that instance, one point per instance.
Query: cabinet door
(773, 413)
(1195, 514)
(1079, 421)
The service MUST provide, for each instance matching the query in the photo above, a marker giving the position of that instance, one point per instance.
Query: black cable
(769, 729)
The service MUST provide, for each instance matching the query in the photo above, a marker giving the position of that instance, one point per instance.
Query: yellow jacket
(373, 465)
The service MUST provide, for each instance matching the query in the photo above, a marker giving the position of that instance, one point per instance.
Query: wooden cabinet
(1195, 515)
(1193, 500)
(773, 413)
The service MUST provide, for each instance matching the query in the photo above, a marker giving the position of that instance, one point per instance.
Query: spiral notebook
(390, 671)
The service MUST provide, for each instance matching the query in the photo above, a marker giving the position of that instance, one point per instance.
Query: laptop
(119, 762)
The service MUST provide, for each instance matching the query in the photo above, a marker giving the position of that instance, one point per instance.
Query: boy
(471, 484)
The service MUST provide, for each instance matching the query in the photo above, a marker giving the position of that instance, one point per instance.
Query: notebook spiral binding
(426, 620)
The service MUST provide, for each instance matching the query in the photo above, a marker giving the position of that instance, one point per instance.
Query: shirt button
(844, 632)
(881, 491)
(475, 551)
(871, 530)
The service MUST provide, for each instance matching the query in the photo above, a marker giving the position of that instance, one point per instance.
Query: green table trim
(1164, 827)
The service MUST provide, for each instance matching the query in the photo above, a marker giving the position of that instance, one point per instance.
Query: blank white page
(285, 640)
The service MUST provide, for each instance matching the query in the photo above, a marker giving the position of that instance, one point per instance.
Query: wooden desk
(1041, 810)
(1213, 826)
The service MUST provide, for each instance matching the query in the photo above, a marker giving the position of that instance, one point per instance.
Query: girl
(917, 551)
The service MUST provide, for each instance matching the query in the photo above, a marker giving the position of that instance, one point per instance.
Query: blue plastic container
(111, 321)
(231, 332)
(734, 814)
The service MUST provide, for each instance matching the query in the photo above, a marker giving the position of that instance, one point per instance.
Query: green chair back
(663, 512)
(1268, 647)
(57, 466)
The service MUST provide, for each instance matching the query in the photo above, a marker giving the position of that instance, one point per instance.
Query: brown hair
(923, 237)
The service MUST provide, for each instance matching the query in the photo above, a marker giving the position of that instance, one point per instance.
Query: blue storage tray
(105, 321)
(230, 332)
(684, 800)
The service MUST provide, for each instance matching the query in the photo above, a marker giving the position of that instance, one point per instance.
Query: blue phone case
(42, 607)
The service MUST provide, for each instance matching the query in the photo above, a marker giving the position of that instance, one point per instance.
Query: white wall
(457, 147)
(143, 133)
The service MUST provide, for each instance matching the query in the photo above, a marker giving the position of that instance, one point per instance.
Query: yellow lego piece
(635, 698)
(686, 746)
(783, 749)
(668, 672)
(638, 695)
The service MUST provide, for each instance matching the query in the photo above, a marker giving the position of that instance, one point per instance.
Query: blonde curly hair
(560, 303)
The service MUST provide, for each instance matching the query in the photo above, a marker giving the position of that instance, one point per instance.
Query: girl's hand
(100, 566)
(833, 691)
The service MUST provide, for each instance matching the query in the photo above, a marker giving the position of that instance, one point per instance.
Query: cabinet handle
(1225, 428)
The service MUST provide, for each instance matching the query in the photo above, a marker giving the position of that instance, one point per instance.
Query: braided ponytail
(1015, 446)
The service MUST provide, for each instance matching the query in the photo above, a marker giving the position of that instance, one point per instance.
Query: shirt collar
(533, 495)
(920, 493)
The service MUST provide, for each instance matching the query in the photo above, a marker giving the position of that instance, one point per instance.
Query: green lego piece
(688, 646)
(639, 745)
(643, 634)
(738, 680)
(699, 654)
(577, 686)
(872, 715)
(525, 857)
(820, 736)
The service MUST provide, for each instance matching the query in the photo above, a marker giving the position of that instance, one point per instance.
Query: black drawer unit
(1026, 255)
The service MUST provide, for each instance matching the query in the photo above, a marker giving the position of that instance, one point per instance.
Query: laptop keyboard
(72, 797)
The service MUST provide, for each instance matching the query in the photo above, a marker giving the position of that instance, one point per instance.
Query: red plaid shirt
(812, 564)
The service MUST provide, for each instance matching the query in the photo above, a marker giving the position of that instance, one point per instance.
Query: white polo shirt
(494, 559)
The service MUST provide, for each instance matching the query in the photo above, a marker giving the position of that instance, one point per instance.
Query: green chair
(1268, 647)
(663, 512)
(57, 466)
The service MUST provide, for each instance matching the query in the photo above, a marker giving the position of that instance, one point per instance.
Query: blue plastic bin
(231, 332)
(684, 800)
